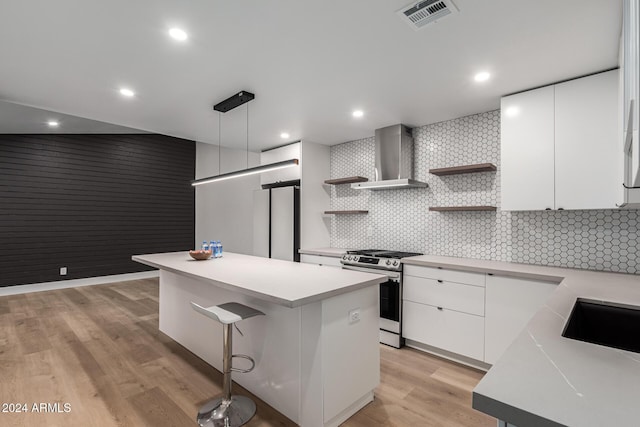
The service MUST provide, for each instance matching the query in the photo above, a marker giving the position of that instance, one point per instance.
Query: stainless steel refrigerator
(276, 223)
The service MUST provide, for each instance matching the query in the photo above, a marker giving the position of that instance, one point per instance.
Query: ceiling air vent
(425, 12)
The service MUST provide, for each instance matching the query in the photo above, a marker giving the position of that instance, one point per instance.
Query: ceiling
(310, 63)
(16, 118)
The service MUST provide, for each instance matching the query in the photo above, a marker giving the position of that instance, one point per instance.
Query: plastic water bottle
(219, 249)
(215, 249)
(212, 248)
(205, 246)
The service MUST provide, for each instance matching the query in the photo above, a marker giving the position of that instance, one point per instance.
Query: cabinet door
(449, 330)
(510, 304)
(586, 142)
(283, 223)
(527, 163)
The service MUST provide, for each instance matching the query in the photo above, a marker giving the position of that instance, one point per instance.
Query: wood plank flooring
(98, 349)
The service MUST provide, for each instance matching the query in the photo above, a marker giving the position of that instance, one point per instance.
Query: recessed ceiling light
(482, 76)
(53, 124)
(178, 34)
(284, 135)
(512, 111)
(127, 92)
(358, 113)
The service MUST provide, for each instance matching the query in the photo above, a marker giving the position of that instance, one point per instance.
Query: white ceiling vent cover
(425, 12)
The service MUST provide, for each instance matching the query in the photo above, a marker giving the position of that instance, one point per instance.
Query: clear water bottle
(219, 249)
(205, 246)
(212, 248)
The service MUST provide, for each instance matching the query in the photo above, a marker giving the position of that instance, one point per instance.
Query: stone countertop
(331, 252)
(544, 379)
(287, 283)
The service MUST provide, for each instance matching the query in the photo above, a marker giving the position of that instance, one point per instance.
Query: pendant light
(227, 105)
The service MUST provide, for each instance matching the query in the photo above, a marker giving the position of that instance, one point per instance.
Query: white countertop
(544, 379)
(290, 284)
(332, 252)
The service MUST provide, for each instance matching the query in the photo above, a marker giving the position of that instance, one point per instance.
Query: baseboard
(74, 283)
(351, 410)
(448, 355)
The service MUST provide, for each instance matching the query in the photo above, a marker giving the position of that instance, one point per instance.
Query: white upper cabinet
(559, 146)
(286, 152)
(586, 142)
(527, 175)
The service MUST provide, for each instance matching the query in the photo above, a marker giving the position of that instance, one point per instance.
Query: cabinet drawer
(449, 330)
(321, 260)
(474, 279)
(451, 295)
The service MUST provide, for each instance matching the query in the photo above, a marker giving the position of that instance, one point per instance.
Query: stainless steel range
(387, 263)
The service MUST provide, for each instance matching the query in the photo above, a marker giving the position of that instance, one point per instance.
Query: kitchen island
(316, 350)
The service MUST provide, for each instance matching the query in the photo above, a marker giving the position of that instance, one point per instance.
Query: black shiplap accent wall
(89, 202)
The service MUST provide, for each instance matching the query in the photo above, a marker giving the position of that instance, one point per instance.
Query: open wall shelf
(345, 212)
(455, 170)
(462, 208)
(347, 180)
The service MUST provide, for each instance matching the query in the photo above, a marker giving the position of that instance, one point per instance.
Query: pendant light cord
(219, 142)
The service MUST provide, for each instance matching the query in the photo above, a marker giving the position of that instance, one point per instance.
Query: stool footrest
(244, 356)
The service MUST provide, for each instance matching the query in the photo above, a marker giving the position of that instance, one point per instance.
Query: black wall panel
(89, 202)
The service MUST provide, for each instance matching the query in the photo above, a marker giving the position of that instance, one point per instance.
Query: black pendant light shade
(229, 104)
(246, 172)
(234, 101)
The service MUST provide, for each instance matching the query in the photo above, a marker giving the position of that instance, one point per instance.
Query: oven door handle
(391, 274)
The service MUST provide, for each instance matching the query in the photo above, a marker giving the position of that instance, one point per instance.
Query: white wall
(224, 209)
(315, 226)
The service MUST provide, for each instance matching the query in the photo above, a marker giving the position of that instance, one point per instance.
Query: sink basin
(605, 323)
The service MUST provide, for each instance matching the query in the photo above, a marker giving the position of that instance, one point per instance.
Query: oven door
(390, 298)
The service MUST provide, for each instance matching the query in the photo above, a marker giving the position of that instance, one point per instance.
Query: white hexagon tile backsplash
(400, 219)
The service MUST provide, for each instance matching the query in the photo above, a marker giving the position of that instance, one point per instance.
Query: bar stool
(228, 410)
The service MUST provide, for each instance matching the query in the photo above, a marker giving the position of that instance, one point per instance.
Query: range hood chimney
(394, 161)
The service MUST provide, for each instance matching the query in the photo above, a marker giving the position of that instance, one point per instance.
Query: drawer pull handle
(439, 281)
(440, 308)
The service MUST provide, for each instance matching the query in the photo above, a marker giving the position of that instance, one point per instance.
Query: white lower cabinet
(510, 304)
(321, 260)
(444, 309)
(449, 330)
(479, 318)
(440, 293)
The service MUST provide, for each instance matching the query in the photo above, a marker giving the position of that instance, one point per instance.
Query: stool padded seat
(227, 313)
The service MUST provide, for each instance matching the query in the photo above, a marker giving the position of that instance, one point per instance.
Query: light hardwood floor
(98, 349)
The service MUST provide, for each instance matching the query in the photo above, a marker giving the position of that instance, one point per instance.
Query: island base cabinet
(312, 364)
(510, 304)
(449, 330)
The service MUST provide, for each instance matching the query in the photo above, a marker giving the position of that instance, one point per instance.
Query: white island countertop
(286, 283)
(545, 379)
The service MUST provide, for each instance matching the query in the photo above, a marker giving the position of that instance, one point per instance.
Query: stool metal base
(221, 413)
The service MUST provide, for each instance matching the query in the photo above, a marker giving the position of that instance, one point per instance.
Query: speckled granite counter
(544, 379)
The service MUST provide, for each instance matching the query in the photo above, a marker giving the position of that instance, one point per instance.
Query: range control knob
(344, 257)
(388, 262)
(395, 262)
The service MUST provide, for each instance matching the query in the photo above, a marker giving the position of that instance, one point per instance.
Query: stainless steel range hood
(394, 161)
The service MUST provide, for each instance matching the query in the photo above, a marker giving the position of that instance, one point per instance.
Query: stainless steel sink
(605, 323)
